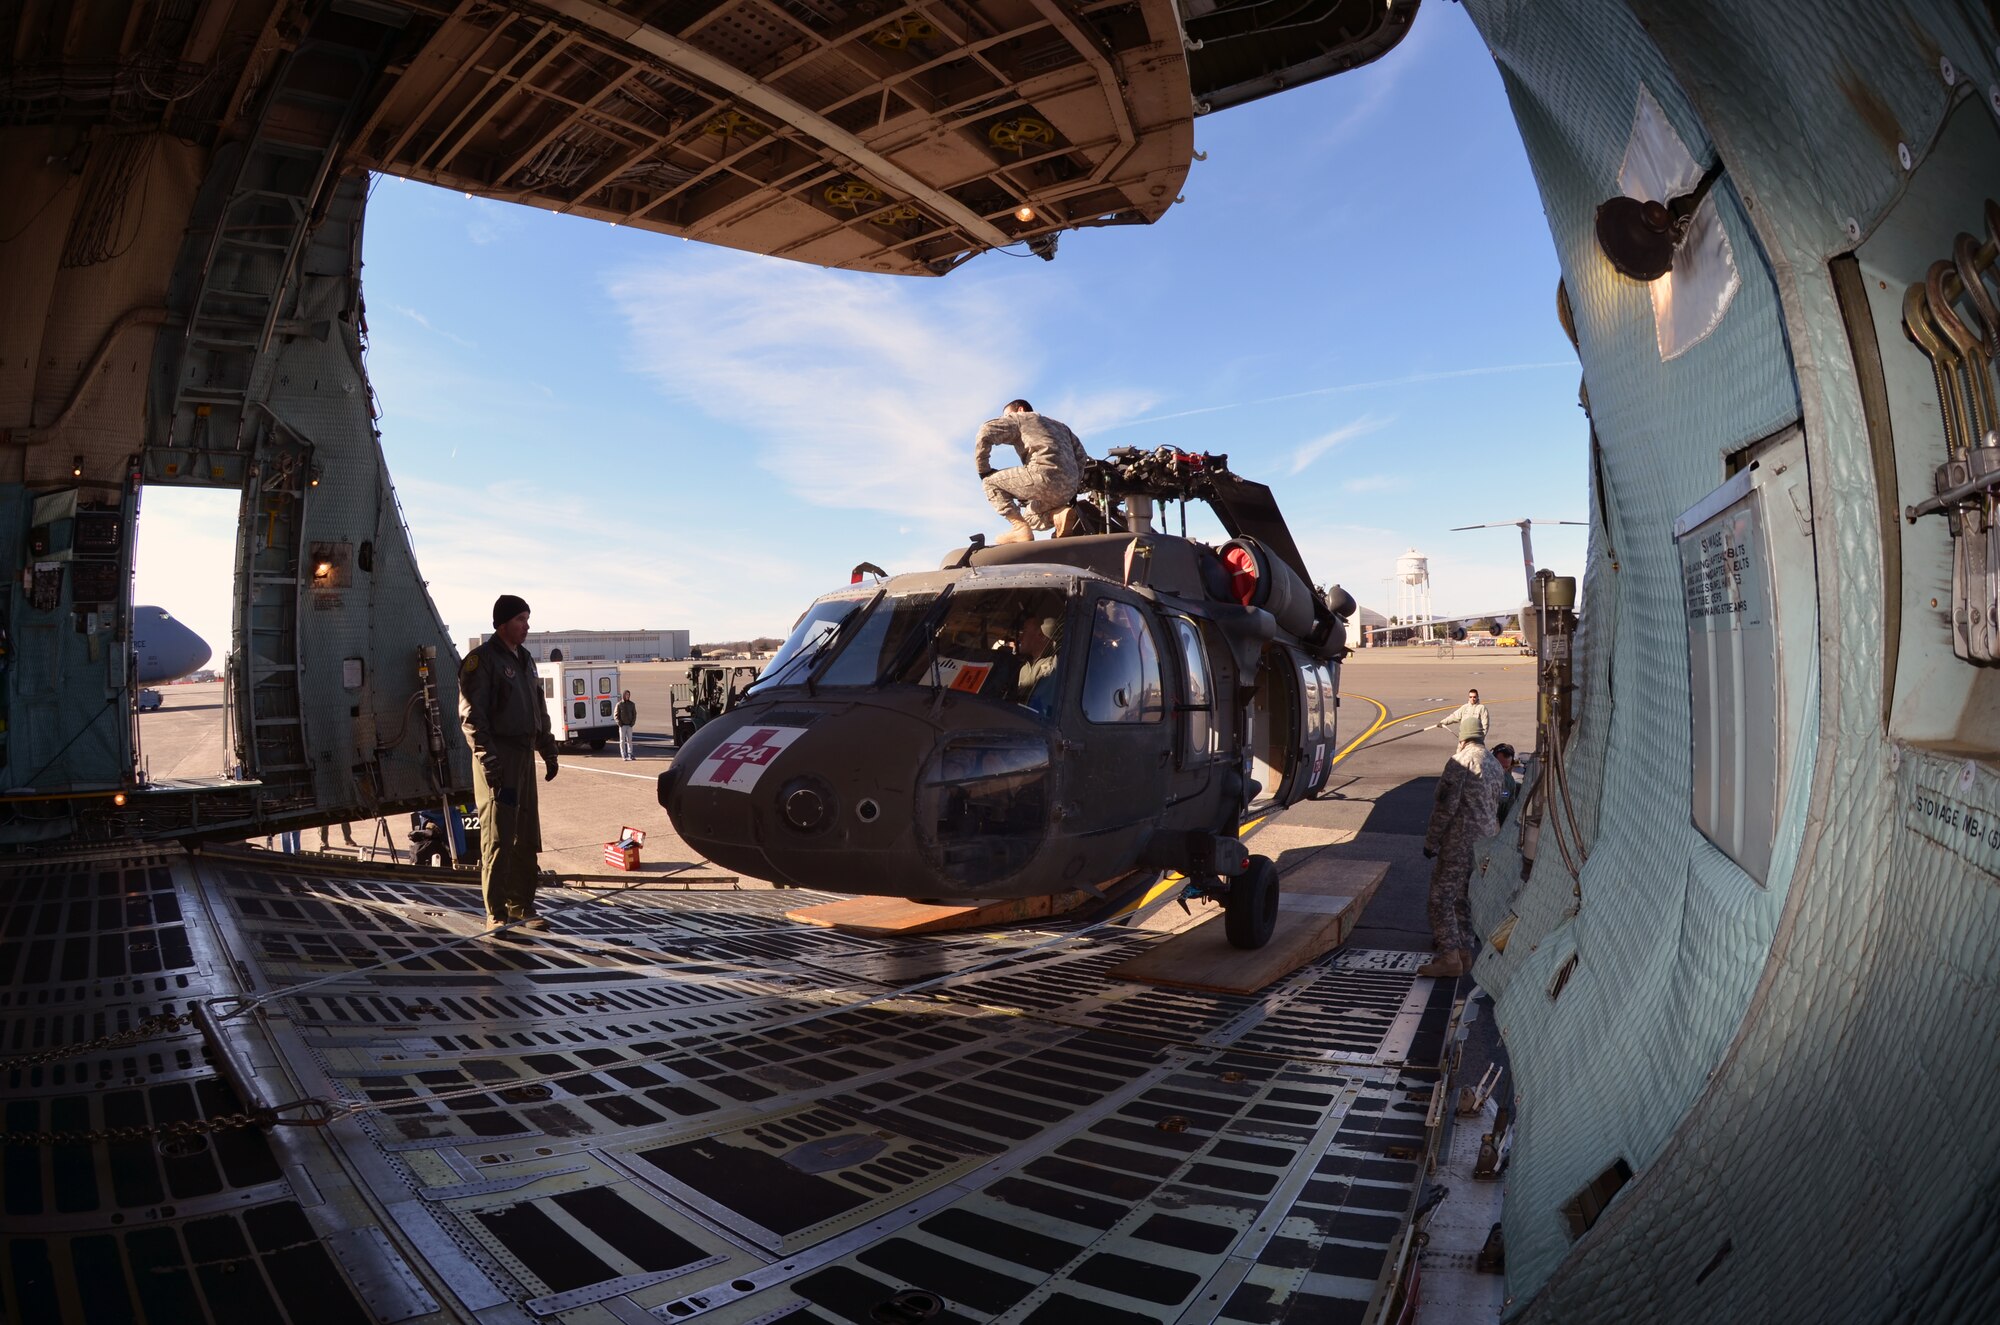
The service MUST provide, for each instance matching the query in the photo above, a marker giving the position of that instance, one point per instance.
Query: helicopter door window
(1121, 678)
(1198, 704)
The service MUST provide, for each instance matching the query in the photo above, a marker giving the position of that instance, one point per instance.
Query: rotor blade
(1247, 509)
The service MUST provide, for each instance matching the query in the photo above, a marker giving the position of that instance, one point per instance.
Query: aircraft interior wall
(99, 378)
(84, 266)
(65, 723)
(1746, 1046)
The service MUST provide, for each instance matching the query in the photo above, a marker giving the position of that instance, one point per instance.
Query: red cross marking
(731, 757)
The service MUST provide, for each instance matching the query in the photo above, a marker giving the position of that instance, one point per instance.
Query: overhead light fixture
(313, 480)
(1640, 238)
(1024, 213)
(76, 467)
(118, 799)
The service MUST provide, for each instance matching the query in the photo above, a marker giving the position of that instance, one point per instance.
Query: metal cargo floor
(677, 1105)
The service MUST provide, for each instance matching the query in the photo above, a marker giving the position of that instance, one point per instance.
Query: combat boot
(1065, 522)
(1447, 965)
(1018, 531)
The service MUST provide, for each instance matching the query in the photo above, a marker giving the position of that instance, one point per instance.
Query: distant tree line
(762, 644)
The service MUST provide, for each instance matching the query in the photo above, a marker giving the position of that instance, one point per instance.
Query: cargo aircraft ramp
(676, 1104)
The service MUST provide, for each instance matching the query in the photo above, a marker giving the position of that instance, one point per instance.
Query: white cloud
(861, 393)
(592, 572)
(1364, 483)
(1320, 445)
(427, 325)
(1099, 410)
(1409, 379)
(1372, 87)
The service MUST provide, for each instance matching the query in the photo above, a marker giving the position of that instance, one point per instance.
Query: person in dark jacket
(506, 722)
(628, 718)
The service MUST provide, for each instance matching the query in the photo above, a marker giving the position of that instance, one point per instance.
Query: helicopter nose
(818, 797)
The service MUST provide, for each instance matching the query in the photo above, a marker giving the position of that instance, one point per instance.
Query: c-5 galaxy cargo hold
(1747, 982)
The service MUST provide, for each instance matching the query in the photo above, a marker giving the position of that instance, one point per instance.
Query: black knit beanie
(506, 607)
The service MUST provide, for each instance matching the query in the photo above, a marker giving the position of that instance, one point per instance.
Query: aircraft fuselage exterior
(165, 649)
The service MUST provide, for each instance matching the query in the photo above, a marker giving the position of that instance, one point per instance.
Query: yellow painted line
(1381, 721)
(1173, 879)
(1384, 720)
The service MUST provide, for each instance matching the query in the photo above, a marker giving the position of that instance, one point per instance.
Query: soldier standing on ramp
(506, 721)
(1047, 479)
(1467, 808)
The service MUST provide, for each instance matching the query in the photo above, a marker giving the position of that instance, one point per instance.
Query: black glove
(507, 796)
(1430, 854)
(549, 761)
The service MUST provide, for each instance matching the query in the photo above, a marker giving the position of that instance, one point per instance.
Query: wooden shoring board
(900, 915)
(1319, 904)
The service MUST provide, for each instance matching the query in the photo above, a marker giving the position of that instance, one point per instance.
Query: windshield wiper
(923, 635)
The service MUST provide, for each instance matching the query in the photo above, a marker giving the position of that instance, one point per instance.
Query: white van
(583, 701)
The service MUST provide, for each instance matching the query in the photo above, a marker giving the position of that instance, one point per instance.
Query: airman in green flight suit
(507, 722)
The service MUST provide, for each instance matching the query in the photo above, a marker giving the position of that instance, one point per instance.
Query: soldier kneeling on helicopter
(1046, 480)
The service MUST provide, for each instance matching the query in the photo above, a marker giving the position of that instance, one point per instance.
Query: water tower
(1413, 590)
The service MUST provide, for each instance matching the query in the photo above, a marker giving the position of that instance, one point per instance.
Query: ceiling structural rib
(751, 92)
(905, 140)
(1108, 78)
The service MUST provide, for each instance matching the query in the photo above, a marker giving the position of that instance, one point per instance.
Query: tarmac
(1381, 789)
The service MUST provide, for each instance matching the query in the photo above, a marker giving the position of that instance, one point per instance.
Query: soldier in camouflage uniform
(1467, 808)
(1047, 479)
(507, 721)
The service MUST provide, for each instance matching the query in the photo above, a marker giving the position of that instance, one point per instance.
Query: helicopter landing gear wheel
(1250, 912)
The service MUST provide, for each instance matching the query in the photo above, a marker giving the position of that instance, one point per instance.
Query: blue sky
(1355, 302)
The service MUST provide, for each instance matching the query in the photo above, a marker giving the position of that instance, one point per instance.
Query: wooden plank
(1319, 905)
(900, 915)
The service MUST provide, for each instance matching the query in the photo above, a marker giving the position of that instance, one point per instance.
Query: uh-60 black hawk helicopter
(1039, 717)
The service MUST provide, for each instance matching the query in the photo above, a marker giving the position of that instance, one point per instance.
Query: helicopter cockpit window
(1121, 679)
(817, 631)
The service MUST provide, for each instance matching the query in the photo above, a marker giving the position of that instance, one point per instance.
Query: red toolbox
(624, 853)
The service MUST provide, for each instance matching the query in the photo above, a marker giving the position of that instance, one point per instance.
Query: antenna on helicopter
(1527, 542)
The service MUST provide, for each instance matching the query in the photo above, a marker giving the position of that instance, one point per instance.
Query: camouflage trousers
(1450, 908)
(1042, 491)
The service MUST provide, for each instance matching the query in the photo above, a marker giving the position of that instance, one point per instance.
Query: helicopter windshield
(817, 631)
(1001, 643)
(879, 640)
